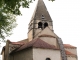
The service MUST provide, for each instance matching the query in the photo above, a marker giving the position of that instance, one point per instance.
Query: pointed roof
(41, 12)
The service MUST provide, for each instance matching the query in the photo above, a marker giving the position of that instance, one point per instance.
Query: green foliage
(12, 6)
(7, 23)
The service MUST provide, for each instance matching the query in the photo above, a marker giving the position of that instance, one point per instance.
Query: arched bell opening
(45, 24)
(40, 25)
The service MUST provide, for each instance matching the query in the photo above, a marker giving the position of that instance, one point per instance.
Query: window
(40, 25)
(45, 24)
(48, 59)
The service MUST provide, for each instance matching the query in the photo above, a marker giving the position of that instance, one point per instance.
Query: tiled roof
(69, 53)
(45, 35)
(37, 43)
(69, 46)
(15, 45)
(20, 42)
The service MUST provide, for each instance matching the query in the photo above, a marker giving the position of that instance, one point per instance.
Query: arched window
(40, 25)
(48, 59)
(45, 24)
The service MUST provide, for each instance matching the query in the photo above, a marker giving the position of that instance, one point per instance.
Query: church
(42, 43)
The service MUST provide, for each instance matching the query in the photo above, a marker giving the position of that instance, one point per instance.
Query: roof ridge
(69, 46)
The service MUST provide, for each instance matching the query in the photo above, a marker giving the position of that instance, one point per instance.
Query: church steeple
(40, 20)
(41, 12)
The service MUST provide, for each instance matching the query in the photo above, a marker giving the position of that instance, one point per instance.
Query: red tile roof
(22, 42)
(45, 35)
(69, 46)
(69, 53)
(37, 43)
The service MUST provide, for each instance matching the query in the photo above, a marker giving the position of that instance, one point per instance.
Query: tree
(7, 23)
(12, 6)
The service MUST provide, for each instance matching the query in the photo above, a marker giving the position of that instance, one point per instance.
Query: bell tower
(40, 20)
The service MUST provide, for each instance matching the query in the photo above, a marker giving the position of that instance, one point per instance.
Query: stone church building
(42, 43)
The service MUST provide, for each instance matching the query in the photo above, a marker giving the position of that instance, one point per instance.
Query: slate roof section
(38, 43)
(69, 46)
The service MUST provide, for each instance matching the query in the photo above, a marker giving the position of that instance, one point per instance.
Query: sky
(66, 21)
